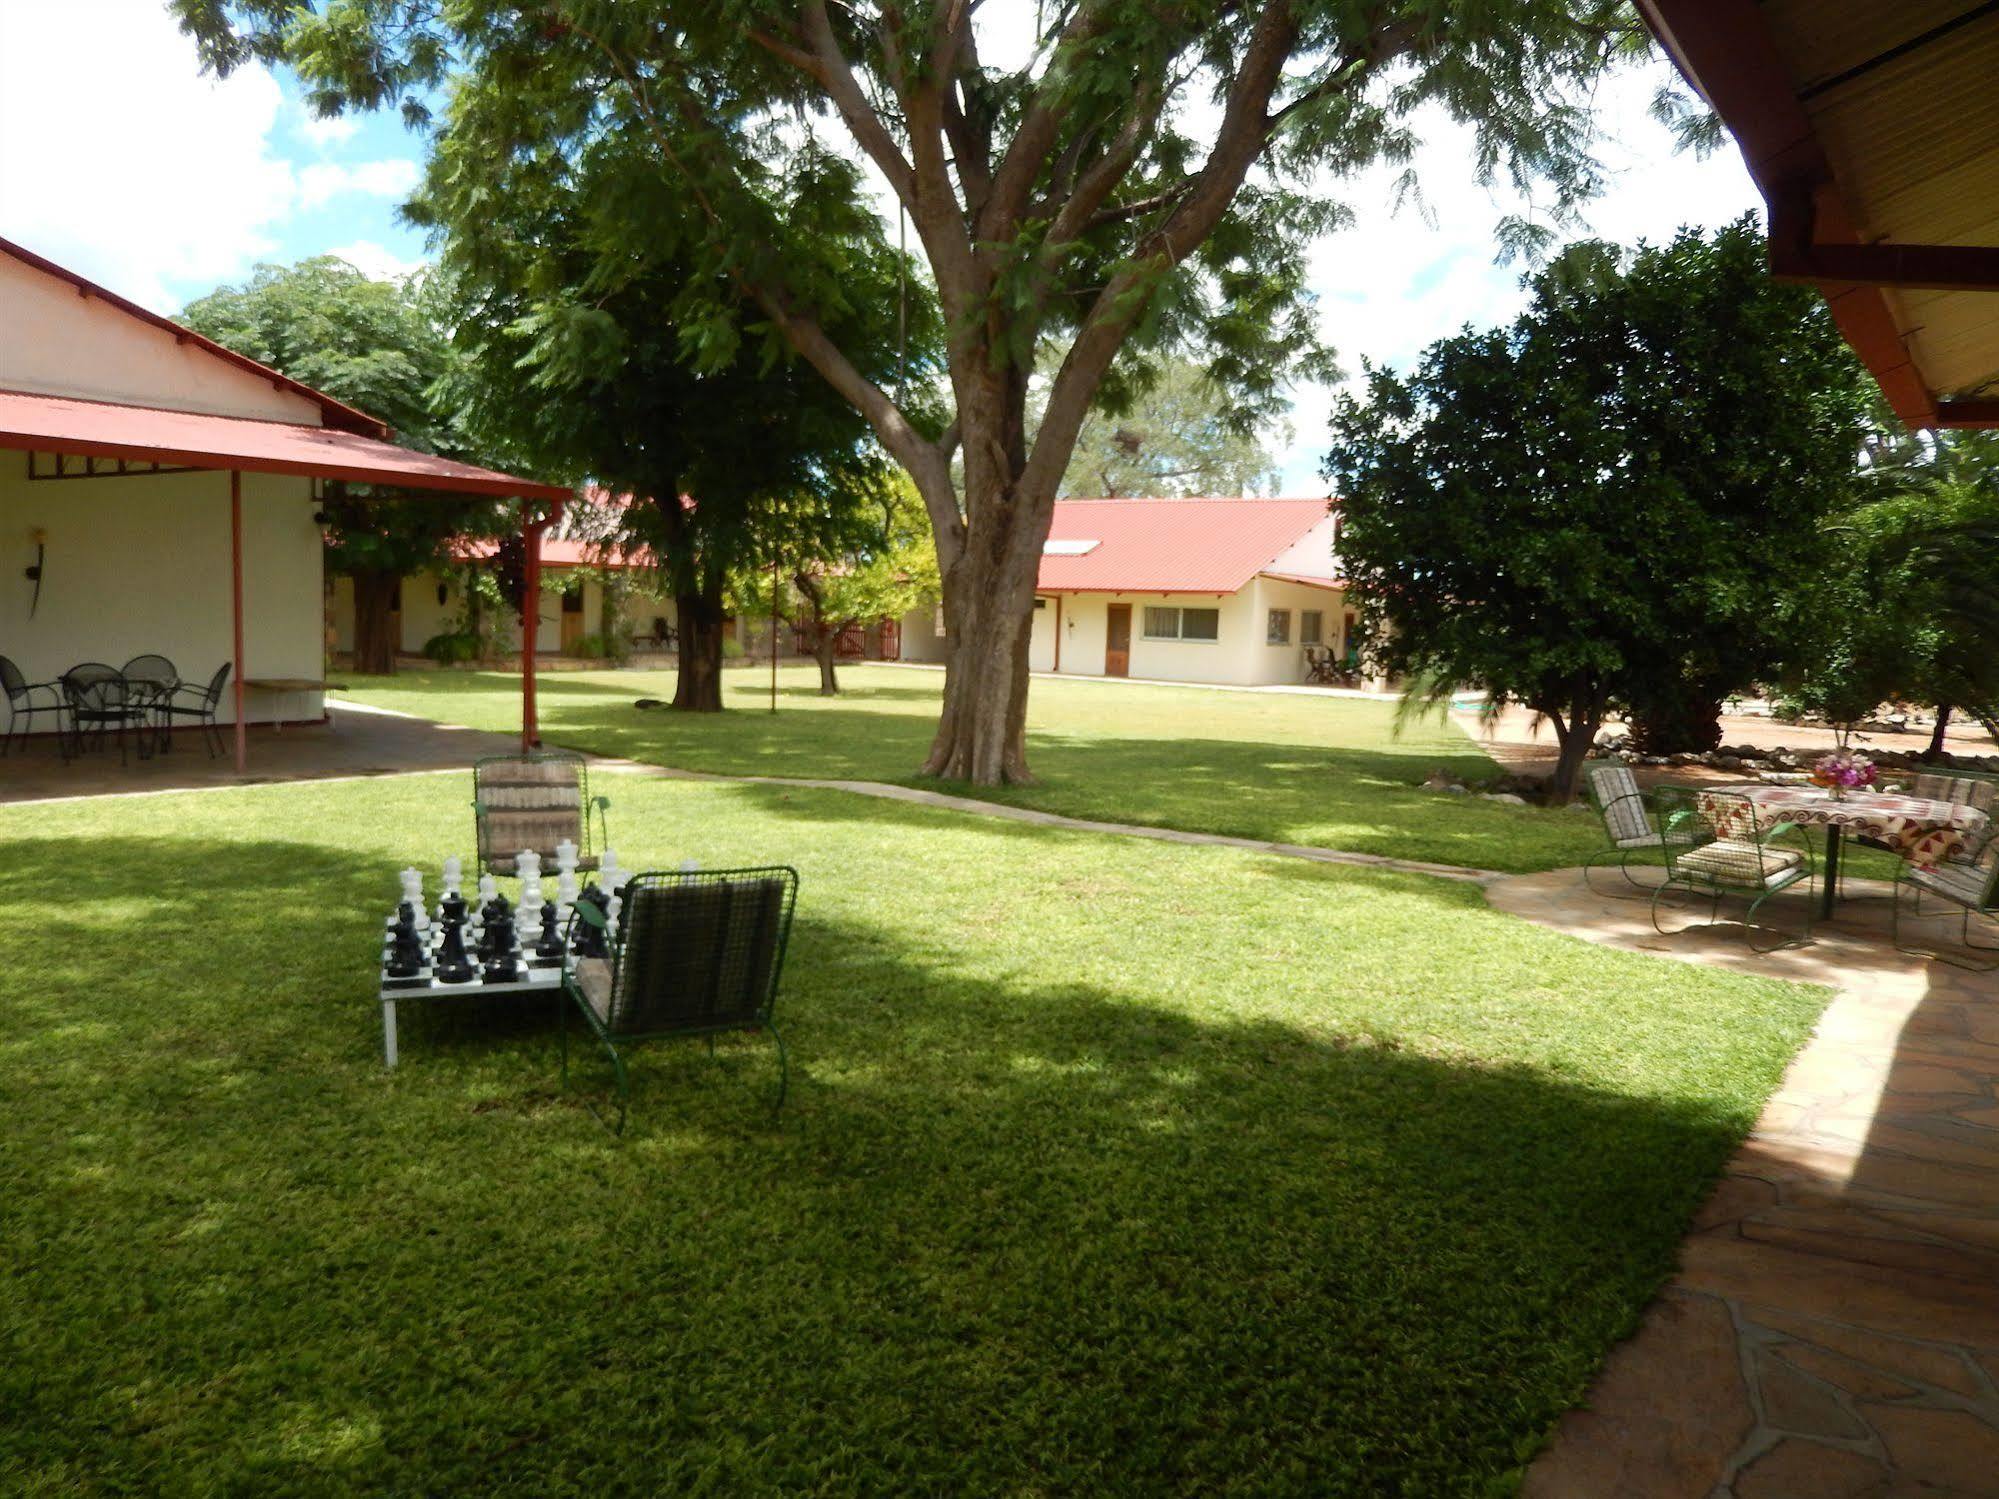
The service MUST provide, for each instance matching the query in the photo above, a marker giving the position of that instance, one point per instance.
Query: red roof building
(1243, 592)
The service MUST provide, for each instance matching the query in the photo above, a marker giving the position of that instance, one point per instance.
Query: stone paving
(1833, 1331)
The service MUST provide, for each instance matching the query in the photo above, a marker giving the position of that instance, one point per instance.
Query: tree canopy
(1120, 179)
(381, 346)
(1615, 499)
(1179, 435)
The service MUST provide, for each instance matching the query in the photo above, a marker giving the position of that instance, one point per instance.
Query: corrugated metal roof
(1212, 546)
(103, 429)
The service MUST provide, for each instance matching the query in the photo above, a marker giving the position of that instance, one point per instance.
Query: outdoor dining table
(1920, 829)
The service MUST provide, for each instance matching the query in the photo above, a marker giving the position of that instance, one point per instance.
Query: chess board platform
(535, 975)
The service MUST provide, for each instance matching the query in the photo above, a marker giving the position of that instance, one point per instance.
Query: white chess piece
(531, 896)
(527, 864)
(488, 889)
(413, 893)
(565, 854)
(611, 910)
(454, 874)
(609, 875)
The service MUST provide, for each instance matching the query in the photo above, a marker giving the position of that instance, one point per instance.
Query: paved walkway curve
(916, 796)
(1833, 1331)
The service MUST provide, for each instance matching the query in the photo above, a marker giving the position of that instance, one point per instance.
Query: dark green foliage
(1616, 499)
(381, 346)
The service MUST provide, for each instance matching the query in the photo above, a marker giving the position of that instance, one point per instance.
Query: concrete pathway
(1833, 1331)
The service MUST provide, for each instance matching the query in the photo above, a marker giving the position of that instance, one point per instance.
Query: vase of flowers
(1842, 771)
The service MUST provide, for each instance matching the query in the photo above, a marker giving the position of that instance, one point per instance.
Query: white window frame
(1179, 613)
(1271, 620)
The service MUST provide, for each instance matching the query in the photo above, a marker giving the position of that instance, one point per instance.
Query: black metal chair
(102, 701)
(22, 706)
(154, 677)
(199, 704)
(696, 953)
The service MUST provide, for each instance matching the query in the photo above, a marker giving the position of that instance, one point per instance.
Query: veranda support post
(236, 613)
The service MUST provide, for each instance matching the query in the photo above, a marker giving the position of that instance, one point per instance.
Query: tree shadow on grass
(1007, 1236)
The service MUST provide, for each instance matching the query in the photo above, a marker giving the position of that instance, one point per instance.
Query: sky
(121, 161)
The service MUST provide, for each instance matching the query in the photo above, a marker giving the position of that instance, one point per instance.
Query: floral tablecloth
(1923, 831)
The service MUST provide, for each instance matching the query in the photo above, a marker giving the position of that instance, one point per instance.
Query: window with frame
(1278, 631)
(1311, 627)
(1169, 622)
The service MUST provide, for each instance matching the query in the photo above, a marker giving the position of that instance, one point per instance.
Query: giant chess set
(487, 942)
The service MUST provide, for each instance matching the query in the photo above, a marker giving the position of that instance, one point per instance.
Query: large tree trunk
(374, 623)
(823, 633)
(1937, 735)
(698, 686)
(988, 614)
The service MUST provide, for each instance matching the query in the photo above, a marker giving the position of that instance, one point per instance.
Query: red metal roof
(1173, 546)
(337, 414)
(558, 551)
(103, 429)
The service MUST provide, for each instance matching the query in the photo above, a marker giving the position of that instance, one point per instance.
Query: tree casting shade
(64, 424)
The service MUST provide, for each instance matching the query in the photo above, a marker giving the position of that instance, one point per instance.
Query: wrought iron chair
(695, 954)
(534, 801)
(101, 700)
(200, 704)
(1969, 880)
(1627, 824)
(1716, 846)
(22, 706)
(156, 676)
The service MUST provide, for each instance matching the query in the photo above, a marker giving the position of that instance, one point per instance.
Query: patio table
(1921, 830)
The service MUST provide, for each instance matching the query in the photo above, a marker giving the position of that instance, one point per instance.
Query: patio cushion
(593, 979)
(1734, 861)
(1964, 884)
(1643, 840)
(1616, 792)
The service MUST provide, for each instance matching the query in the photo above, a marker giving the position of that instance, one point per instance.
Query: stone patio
(357, 741)
(1834, 1327)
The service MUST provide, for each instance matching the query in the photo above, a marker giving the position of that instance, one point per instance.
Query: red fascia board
(1724, 49)
(336, 414)
(245, 445)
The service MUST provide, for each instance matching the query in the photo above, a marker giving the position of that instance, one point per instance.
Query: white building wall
(1286, 663)
(59, 342)
(141, 564)
(923, 637)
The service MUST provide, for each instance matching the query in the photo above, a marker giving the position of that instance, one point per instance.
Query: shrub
(453, 647)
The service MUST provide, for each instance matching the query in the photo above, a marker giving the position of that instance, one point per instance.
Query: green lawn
(1110, 1166)
(1314, 770)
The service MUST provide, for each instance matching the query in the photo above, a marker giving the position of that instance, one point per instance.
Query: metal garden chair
(1627, 824)
(534, 801)
(155, 677)
(1716, 846)
(1969, 880)
(200, 704)
(696, 953)
(22, 706)
(101, 700)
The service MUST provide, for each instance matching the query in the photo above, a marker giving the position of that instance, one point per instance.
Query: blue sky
(119, 160)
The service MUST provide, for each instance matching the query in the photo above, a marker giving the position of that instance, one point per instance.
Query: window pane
(1162, 624)
(1200, 624)
(1279, 632)
(1308, 627)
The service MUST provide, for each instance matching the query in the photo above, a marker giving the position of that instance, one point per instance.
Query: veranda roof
(1872, 130)
(150, 434)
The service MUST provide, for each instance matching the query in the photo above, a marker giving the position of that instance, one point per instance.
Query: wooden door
(572, 618)
(1117, 641)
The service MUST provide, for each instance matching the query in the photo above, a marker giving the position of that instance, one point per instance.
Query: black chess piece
(405, 951)
(590, 941)
(451, 910)
(453, 967)
(494, 909)
(550, 945)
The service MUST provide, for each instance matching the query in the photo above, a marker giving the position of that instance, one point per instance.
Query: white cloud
(374, 261)
(334, 131)
(326, 180)
(119, 160)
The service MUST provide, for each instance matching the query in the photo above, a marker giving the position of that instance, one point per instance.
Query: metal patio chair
(1627, 824)
(198, 703)
(23, 706)
(696, 953)
(534, 801)
(1716, 845)
(1969, 880)
(154, 675)
(101, 701)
